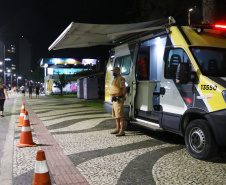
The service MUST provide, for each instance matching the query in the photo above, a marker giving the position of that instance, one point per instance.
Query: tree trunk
(208, 11)
(61, 91)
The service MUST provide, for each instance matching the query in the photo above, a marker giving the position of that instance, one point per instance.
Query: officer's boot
(121, 133)
(116, 131)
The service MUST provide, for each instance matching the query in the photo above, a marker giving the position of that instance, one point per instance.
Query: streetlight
(8, 73)
(19, 77)
(189, 14)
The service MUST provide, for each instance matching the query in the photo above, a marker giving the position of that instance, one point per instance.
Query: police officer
(118, 92)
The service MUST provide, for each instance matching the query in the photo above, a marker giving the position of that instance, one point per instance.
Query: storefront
(67, 66)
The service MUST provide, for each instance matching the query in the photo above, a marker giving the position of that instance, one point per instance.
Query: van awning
(78, 35)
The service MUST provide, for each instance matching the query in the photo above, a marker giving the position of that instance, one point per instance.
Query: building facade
(2, 58)
(11, 66)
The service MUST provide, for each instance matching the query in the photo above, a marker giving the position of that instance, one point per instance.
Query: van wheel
(127, 125)
(199, 140)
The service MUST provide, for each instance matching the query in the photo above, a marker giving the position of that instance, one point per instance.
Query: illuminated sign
(89, 61)
(67, 71)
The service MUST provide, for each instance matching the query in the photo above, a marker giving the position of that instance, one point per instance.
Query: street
(80, 149)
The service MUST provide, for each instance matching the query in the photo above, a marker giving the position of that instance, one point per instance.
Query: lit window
(124, 64)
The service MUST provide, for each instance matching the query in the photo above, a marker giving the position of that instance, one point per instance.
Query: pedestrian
(23, 89)
(37, 91)
(30, 91)
(3, 93)
(117, 93)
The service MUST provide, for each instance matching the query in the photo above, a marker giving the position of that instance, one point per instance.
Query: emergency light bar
(220, 26)
(201, 27)
(208, 26)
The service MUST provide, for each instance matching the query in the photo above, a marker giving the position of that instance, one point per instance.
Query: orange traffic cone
(26, 136)
(21, 116)
(41, 174)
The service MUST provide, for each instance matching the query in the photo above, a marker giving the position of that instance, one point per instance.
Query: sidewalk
(7, 137)
(61, 169)
(77, 143)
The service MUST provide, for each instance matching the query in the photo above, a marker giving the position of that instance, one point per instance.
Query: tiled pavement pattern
(67, 130)
(62, 169)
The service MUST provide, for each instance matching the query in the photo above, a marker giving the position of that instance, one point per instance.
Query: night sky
(42, 21)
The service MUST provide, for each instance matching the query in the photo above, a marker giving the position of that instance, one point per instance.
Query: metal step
(147, 124)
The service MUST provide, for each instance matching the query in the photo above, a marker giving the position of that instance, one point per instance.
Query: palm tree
(61, 83)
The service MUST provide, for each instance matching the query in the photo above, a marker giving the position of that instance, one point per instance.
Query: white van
(176, 81)
(175, 76)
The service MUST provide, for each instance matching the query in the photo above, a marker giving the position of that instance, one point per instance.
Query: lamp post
(19, 77)
(8, 74)
(11, 81)
(14, 79)
(189, 15)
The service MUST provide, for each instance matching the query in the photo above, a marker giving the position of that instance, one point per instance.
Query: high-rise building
(11, 71)
(15, 60)
(2, 57)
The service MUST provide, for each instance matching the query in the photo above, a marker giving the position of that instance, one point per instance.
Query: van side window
(124, 64)
(175, 56)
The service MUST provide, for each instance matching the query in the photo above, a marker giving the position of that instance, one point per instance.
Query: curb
(6, 176)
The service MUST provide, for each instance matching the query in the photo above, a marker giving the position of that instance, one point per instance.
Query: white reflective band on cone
(22, 107)
(26, 117)
(21, 114)
(41, 167)
(26, 129)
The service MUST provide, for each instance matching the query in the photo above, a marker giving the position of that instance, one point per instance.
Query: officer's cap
(116, 70)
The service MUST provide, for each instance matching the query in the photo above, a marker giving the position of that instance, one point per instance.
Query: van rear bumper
(108, 109)
(219, 126)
